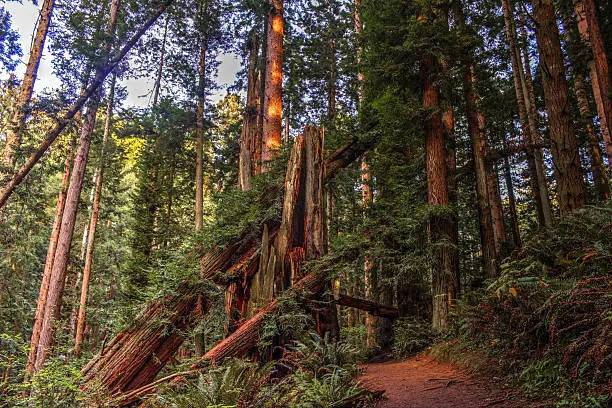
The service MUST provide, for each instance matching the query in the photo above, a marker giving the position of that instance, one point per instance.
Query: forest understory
(395, 204)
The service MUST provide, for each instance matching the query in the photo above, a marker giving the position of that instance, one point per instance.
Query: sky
(24, 19)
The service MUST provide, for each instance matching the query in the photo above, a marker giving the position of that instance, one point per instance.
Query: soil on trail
(421, 382)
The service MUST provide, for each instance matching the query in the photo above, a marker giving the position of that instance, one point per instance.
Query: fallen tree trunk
(368, 306)
(135, 357)
(242, 340)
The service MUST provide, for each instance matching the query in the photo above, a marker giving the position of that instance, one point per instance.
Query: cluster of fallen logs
(255, 274)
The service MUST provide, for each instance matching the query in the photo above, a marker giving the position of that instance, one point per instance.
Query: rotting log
(368, 306)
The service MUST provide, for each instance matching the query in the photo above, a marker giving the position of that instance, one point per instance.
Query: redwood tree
(564, 147)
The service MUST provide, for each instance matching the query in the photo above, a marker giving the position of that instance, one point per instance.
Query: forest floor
(422, 382)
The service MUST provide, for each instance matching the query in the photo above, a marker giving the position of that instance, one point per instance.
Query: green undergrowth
(312, 373)
(545, 325)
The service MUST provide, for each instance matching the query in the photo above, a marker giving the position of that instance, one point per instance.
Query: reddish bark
(62, 254)
(568, 171)
(46, 277)
(93, 223)
(250, 144)
(586, 11)
(273, 97)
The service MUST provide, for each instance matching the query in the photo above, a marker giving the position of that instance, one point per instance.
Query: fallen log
(135, 356)
(242, 340)
(368, 306)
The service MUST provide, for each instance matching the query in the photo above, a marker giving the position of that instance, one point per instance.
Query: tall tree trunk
(13, 135)
(46, 277)
(273, 97)
(101, 74)
(516, 234)
(93, 223)
(598, 169)
(525, 125)
(532, 115)
(248, 139)
(369, 272)
(480, 150)
(62, 254)
(199, 182)
(444, 284)
(588, 26)
(566, 160)
(497, 213)
(160, 67)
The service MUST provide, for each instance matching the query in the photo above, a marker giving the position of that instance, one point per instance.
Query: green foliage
(547, 318)
(411, 336)
(236, 383)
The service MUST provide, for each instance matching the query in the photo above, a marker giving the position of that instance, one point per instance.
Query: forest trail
(422, 382)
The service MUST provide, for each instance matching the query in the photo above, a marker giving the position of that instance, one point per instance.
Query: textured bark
(9, 187)
(444, 285)
(201, 103)
(136, 355)
(93, 223)
(566, 160)
(598, 169)
(518, 76)
(62, 254)
(248, 139)
(588, 24)
(536, 137)
(273, 97)
(497, 214)
(326, 315)
(131, 359)
(479, 152)
(46, 277)
(13, 135)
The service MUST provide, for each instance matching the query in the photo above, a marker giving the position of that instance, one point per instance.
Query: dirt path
(421, 382)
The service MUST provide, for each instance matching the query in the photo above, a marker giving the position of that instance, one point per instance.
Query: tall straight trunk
(9, 187)
(369, 272)
(588, 26)
(62, 254)
(516, 234)
(598, 169)
(566, 159)
(248, 138)
(444, 285)
(532, 115)
(525, 126)
(93, 223)
(199, 199)
(160, 68)
(46, 277)
(273, 97)
(480, 150)
(13, 135)
(497, 213)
